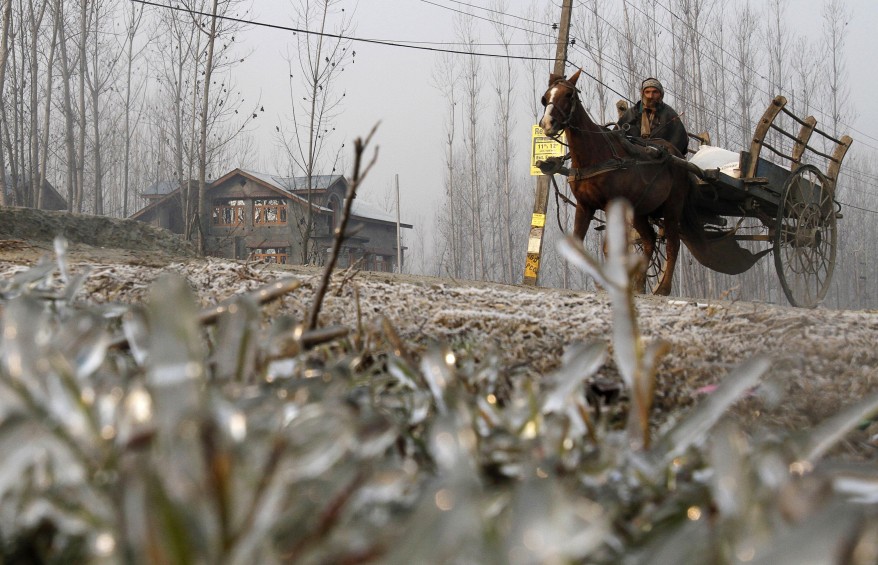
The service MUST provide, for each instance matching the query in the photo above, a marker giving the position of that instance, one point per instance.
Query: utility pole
(398, 236)
(541, 202)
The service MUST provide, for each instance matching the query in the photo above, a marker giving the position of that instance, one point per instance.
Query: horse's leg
(674, 215)
(672, 249)
(581, 221)
(647, 241)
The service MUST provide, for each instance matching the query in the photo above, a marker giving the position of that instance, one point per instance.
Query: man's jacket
(666, 124)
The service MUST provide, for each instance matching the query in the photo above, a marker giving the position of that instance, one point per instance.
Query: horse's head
(560, 101)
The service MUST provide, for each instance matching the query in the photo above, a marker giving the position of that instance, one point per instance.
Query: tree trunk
(44, 146)
(202, 156)
(80, 158)
(69, 143)
(4, 42)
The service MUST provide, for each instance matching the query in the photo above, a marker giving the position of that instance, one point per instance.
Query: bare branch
(340, 234)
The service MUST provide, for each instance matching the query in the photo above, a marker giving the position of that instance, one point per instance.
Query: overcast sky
(393, 85)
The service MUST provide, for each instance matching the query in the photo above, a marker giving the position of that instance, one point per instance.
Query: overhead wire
(344, 37)
(522, 18)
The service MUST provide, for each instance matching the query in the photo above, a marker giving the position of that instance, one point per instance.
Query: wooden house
(265, 217)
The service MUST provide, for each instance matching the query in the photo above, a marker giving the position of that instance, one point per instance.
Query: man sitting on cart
(651, 118)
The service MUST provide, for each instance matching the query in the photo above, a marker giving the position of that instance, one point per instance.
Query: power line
(344, 37)
(522, 18)
(482, 17)
(858, 208)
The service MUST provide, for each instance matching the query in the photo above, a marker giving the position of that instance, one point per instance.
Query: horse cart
(729, 209)
(794, 203)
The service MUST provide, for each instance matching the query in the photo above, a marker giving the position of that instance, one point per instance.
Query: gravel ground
(822, 360)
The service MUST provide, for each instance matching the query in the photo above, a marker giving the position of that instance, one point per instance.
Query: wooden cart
(794, 204)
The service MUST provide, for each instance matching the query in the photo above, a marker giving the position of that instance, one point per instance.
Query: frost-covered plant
(161, 433)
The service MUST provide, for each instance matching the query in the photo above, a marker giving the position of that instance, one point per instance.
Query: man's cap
(653, 82)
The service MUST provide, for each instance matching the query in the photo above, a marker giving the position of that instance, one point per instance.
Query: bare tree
(626, 44)
(134, 17)
(777, 39)
(81, 126)
(66, 67)
(746, 60)
(191, 72)
(4, 52)
(445, 79)
(835, 19)
(594, 32)
(314, 69)
(504, 87)
(836, 16)
(36, 13)
(47, 112)
(202, 147)
(472, 108)
(99, 76)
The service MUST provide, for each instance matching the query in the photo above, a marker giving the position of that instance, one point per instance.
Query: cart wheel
(656, 268)
(805, 237)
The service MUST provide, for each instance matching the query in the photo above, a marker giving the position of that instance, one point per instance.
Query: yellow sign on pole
(543, 147)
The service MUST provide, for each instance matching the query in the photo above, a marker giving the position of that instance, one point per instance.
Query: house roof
(49, 192)
(161, 187)
(297, 184)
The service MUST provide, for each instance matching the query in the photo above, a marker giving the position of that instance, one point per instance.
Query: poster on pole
(543, 147)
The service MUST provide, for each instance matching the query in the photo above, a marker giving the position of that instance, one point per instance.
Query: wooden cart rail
(750, 159)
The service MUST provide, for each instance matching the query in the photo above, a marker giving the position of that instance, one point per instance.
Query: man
(651, 118)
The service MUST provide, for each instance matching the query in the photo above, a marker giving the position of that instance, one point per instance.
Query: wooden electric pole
(541, 202)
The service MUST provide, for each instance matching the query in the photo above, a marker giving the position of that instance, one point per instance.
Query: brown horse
(606, 166)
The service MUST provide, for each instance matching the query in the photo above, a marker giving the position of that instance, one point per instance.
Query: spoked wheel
(805, 237)
(659, 262)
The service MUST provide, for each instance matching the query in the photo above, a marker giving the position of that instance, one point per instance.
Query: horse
(605, 166)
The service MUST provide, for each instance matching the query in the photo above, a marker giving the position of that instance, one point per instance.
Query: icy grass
(164, 433)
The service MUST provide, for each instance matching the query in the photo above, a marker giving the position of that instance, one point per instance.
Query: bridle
(566, 118)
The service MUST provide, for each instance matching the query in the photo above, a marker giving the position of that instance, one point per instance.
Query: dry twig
(340, 235)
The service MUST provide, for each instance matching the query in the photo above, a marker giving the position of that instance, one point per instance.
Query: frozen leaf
(693, 429)
(318, 437)
(437, 369)
(830, 432)
(237, 336)
(580, 362)
(548, 525)
(175, 346)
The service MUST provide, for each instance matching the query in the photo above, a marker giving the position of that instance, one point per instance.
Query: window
(269, 211)
(228, 212)
(272, 254)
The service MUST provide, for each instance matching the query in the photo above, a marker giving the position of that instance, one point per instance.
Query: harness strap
(584, 173)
